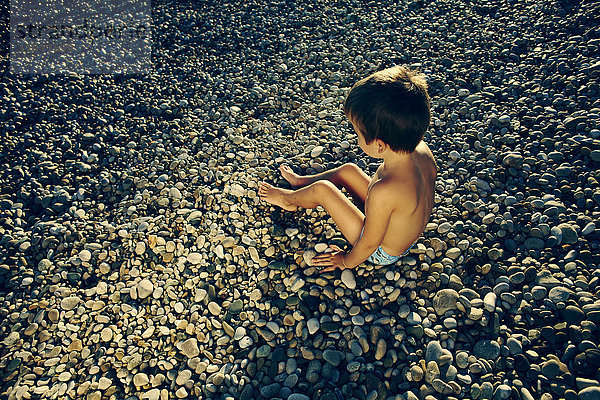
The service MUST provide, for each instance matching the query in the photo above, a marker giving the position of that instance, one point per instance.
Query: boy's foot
(275, 196)
(293, 178)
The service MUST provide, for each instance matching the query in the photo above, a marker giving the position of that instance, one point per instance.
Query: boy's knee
(351, 167)
(322, 187)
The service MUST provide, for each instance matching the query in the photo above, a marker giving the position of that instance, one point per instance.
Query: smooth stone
(152, 394)
(69, 303)
(263, 351)
(434, 351)
(489, 301)
(558, 294)
(194, 258)
(589, 393)
(569, 234)
(502, 392)
(450, 323)
(104, 383)
(504, 119)
(589, 228)
(539, 292)
(183, 377)
(140, 248)
(85, 255)
(583, 383)
(514, 346)
(236, 306)
(514, 160)
(246, 342)
(348, 279)
(214, 308)
(31, 329)
(11, 339)
(298, 396)
(462, 359)
(269, 391)
(316, 151)
(487, 349)
(308, 256)
(144, 288)
(106, 334)
(312, 325)
(189, 348)
(321, 247)
(416, 373)
(551, 369)
(353, 366)
(573, 315)
(380, 349)
(333, 357)
(140, 379)
(445, 300)
(413, 318)
(545, 278)
(297, 285)
(277, 265)
(291, 381)
(432, 372)
(64, 376)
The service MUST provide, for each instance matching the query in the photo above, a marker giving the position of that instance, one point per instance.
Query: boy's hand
(335, 259)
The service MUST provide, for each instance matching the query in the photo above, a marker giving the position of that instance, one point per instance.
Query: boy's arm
(379, 205)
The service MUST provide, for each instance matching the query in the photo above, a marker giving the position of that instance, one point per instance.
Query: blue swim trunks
(380, 257)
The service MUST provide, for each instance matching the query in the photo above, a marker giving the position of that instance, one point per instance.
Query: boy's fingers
(328, 269)
(322, 261)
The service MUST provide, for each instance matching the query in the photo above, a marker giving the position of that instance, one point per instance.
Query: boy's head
(391, 105)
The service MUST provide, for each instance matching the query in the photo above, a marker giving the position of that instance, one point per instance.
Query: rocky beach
(137, 261)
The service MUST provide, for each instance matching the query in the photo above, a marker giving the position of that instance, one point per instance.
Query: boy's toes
(263, 187)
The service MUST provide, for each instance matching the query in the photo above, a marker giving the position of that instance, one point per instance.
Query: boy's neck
(392, 160)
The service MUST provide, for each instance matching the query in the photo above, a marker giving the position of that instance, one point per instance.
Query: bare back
(408, 221)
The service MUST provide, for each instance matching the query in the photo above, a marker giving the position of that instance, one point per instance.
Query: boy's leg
(349, 176)
(348, 218)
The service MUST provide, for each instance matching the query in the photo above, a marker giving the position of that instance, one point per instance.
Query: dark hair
(391, 105)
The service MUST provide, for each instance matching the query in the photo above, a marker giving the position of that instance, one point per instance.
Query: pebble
(140, 379)
(559, 294)
(69, 303)
(214, 308)
(334, 357)
(11, 339)
(106, 334)
(194, 258)
(313, 325)
(434, 351)
(348, 279)
(144, 288)
(589, 393)
(317, 151)
(487, 349)
(189, 348)
(445, 300)
(502, 392)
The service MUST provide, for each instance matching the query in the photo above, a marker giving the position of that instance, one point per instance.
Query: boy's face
(371, 149)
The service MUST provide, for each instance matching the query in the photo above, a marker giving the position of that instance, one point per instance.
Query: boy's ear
(381, 145)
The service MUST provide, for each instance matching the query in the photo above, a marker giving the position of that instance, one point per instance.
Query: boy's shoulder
(393, 189)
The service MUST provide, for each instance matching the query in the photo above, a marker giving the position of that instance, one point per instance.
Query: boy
(389, 111)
